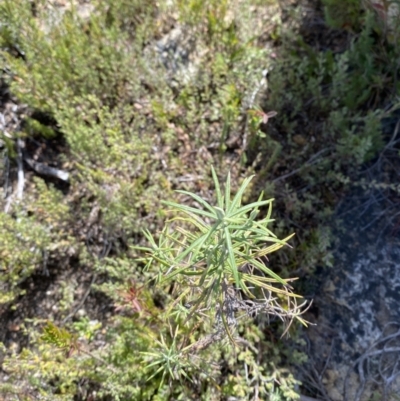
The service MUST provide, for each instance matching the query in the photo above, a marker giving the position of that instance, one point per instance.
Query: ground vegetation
(131, 267)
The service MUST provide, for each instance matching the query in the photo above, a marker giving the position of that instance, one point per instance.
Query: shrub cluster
(136, 99)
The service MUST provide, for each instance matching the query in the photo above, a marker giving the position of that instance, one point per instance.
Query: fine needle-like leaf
(269, 249)
(254, 280)
(189, 209)
(231, 257)
(268, 216)
(220, 201)
(247, 208)
(215, 246)
(266, 270)
(203, 297)
(238, 197)
(196, 245)
(228, 191)
(197, 198)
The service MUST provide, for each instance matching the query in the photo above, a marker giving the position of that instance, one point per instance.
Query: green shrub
(341, 14)
(135, 119)
(66, 56)
(38, 231)
(221, 258)
(330, 108)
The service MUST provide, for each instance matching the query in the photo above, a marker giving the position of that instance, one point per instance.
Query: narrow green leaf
(265, 279)
(181, 270)
(203, 297)
(164, 262)
(237, 219)
(198, 243)
(253, 214)
(150, 238)
(155, 374)
(245, 209)
(220, 200)
(268, 216)
(207, 272)
(271, 248)
(238, 197)
(220, 213)
(183, 373)
(263, 235)
(245, 289)
(195, 220)
(231, 257)
(188, 209)
(154, 363)
(177, 300)
(198, 199)
(255, 280)
(228, 191)
(266, 270)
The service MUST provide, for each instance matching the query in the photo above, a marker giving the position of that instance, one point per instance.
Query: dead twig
(379, 364)
(43, 169)
(305, 398)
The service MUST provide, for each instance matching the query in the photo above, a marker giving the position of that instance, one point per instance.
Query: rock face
(55, 9)
(356, 342)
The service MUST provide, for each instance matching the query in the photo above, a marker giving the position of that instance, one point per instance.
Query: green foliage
(347, 80)
(71, 56)
(340, 14)
(210, 253)
(35, 128)
(59, 337)
(227, 252)
(100, 137)
(142, 97)
(82, 73)
(38, 231)
(37, 367)
(329, 122)
(167, 360)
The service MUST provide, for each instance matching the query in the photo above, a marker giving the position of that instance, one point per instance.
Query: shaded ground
(355, 345)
